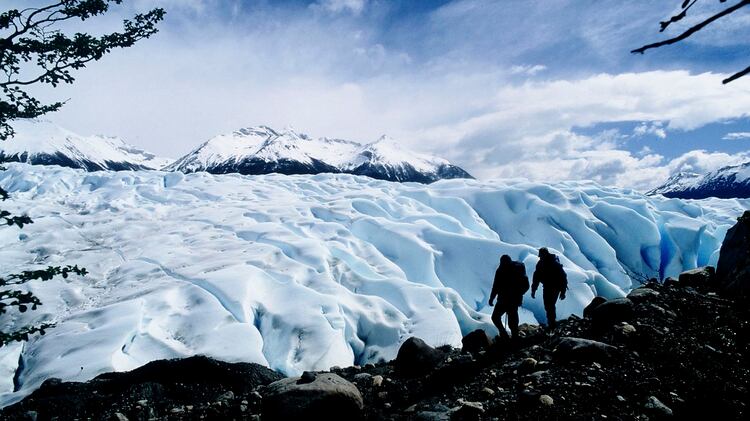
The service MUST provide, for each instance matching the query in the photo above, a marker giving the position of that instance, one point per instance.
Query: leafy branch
(27, 39)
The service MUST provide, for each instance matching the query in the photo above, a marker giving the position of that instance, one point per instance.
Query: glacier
(306, 272)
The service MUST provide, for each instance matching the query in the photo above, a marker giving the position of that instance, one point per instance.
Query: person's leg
(550, 301)
(497, 319)
(513, 321)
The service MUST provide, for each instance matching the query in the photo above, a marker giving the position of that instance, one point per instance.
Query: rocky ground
(673, 350)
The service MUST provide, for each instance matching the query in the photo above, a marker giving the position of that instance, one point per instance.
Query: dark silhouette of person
(550, 273)
(509, 286)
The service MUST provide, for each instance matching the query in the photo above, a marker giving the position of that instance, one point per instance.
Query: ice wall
(307, 272)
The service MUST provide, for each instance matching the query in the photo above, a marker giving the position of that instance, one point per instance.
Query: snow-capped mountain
(304, 273)
(44, 143)
(262, 150)
(726, 183)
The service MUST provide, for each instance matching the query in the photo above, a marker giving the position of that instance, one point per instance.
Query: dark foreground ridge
(674, 350)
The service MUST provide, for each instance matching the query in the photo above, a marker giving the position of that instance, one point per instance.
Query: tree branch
(736, 76)
(693, 29)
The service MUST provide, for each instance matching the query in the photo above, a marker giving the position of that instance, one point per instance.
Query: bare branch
(678, 17)
(736, 76)
(693, 29)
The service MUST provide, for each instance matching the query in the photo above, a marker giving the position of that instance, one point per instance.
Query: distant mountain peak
(727, 182)
(256, 131)
(262, 150)
(43, 142)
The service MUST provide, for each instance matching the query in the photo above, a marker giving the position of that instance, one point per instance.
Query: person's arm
(495, 287)
(535, 282)
(564, 283)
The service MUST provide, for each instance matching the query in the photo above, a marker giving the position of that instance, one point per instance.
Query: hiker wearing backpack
(509, 286)
(550, 273)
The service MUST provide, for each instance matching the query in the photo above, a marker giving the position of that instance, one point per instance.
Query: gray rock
(467, 410)
(700, 277)
(579, 349)
(527, 365)
(227, 396)
(671, 282)
(546, 400)
(526, 330)
(307, 377)
(733, 269)
(416, 358)
(433, 416)
(362, 377)
(625, 330)
(642, 294)
(528, 397)
(612, 311)
(289, 399)
(656, 407)
(595, 302)
(32, 415)
(475, 341)
(377, 381)
(119, 416)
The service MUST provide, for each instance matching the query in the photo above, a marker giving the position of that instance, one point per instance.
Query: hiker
(550, 273)
(509, 286)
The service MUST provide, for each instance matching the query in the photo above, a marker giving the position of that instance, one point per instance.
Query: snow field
(306, 272)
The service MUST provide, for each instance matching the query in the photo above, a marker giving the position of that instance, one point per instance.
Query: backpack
(558, 274)
(522, 281)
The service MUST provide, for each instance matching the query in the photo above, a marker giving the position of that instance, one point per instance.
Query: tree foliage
(34, 51)
(682, 14)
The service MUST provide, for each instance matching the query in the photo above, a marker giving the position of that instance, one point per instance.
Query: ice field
(308, 272)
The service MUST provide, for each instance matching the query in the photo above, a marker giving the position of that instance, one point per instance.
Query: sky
(539, 89)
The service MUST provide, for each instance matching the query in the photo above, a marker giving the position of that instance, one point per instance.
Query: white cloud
(530, 70)
(338, 6)
(737, 136)
(701, 161)
(654, 128)
(528, 129)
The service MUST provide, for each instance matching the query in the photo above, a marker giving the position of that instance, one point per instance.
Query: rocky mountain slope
(41, 142)
(262, 150)
(728, 182)
(676, 350)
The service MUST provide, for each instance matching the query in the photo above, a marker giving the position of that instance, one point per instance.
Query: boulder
(416, 358)
(733, 269)
(546, 400)
(527, 366)
(579, 349)
(328, 396)
(475, 341)
(657, 409)
(592, 305)
(526, 331)
(642, 294)
(612, 311)
(528, 397)
(467, 410)
(700, 277)
(671, 282)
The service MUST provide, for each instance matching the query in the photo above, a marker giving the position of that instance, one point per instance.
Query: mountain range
(253, 150)
(725, 183)
(43, 143)
(263, 150)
